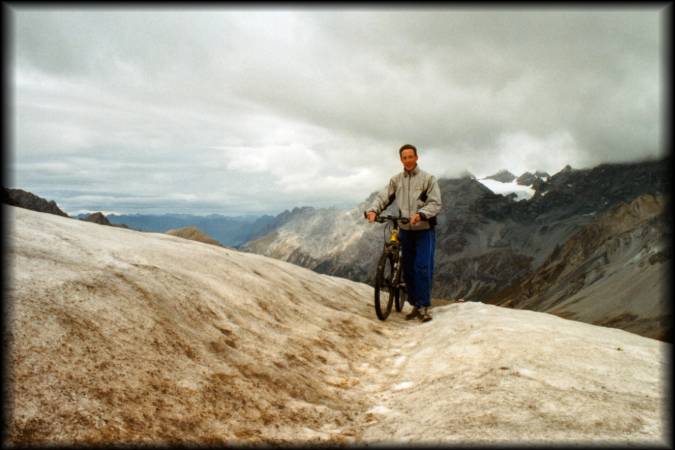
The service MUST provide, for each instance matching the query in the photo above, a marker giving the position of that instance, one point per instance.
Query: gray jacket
(417, 192)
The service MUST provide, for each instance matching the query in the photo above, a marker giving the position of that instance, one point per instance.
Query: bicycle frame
(393, 246)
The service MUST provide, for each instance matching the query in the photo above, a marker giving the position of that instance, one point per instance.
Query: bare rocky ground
(613, 272)
(118, 336)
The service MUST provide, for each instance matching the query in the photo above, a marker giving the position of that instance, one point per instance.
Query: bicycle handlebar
(382, 219)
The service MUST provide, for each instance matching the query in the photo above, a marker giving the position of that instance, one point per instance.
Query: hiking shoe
(413, 314)
(425, 315)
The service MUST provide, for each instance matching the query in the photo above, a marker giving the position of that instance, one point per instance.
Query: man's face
(409, 159)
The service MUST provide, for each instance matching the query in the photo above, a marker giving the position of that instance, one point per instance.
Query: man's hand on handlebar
(373, 217)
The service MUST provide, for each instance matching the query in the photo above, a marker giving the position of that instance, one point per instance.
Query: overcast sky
(251, 111)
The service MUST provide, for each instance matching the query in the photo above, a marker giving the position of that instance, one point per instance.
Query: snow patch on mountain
(521, 192)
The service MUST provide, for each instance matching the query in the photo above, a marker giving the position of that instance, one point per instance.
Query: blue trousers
(418, 264)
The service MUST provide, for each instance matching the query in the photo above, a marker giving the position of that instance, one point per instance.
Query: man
(418, 197)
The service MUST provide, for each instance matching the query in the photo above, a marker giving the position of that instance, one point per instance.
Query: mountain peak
(101, 219)
(97, 217)
(503, 176)
(530, 179)
(467, 174)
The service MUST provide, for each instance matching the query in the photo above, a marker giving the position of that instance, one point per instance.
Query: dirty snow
(489, 374)
(118, 336)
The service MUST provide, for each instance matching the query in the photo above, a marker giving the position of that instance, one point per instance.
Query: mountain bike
(389, 286)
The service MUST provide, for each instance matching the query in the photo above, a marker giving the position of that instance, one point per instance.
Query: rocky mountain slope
(329, 241)
(611, 272)
(529, 178)
(121, 337)
(485, 241)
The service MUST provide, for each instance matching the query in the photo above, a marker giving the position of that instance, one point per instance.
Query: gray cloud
(252, 111)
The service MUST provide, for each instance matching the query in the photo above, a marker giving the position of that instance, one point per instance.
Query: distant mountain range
(228, 231)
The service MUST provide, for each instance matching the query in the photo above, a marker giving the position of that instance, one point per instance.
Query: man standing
(418, 197)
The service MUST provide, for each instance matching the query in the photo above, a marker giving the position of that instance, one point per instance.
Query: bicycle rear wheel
(384, 290)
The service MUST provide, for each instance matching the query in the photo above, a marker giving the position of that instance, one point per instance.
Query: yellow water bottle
(394, 236)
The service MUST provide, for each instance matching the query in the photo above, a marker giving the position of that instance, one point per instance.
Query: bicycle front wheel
(384, 290)
(401, 298)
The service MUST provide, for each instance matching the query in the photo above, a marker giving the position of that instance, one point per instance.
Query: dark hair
(405, 147)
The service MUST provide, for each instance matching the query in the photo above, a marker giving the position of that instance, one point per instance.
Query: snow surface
(522, 192)
(118, 336)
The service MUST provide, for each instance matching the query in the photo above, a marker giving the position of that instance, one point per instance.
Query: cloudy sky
(251, 111)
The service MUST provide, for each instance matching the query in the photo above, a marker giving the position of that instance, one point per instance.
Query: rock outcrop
(530, 179)
(28, 200)
(97, 217)
(526, 179)
(101, 219)
(194, 234)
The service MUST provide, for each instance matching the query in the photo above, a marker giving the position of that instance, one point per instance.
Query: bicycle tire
(384, 292)
(401, 298)
(398, 294)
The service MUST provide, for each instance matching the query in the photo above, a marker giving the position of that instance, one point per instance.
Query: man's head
(408, 154)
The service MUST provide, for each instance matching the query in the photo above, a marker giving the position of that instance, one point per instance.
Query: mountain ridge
(28, 200)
